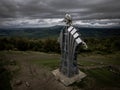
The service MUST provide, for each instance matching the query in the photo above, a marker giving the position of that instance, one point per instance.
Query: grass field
(103, 71)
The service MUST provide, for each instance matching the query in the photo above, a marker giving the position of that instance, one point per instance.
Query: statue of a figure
(69, 43)
(70, 40)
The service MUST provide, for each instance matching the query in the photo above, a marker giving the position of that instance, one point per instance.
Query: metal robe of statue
(69, 42)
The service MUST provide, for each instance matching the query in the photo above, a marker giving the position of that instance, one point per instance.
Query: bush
(106, 45)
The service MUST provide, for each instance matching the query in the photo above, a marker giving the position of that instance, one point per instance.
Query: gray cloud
(79, 9)
(7, 9)
(56, 8)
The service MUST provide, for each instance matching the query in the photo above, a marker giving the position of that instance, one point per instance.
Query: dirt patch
(33, 77)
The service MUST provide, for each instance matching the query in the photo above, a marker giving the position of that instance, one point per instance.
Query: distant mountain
(99, 32)
(53, 32)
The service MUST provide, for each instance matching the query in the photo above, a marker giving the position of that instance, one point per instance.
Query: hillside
(32, 71)
(54, 32)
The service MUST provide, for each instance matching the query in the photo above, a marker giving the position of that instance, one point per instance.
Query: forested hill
(54, 32)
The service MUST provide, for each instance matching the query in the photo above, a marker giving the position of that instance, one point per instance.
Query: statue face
(68, 19)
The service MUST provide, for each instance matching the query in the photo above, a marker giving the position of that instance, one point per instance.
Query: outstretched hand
(85, 45)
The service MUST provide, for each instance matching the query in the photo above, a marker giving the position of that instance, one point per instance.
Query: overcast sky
(39, 12)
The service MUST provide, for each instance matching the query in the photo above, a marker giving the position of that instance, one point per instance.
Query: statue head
(68, 19)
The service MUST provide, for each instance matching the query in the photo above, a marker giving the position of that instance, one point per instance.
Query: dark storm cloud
(7, 9)
(105, 10)
(34, 8)
(39, 9)
(56, 8)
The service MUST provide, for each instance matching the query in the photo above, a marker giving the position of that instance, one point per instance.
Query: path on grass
(33, 77)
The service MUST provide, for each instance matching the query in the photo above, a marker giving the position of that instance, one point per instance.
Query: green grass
(96, 59)
(47, 60)
(97, 79)
(104, 77)
(5, 75)
(87, 63)
(49, 63)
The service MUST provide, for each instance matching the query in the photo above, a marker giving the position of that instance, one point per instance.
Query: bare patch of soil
(33, 77)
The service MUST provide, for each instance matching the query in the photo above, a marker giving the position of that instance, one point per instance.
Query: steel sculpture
(70, 40)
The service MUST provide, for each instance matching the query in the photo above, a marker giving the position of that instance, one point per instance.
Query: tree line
(108, 45)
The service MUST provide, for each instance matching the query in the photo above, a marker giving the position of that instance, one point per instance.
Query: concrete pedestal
(66, 80)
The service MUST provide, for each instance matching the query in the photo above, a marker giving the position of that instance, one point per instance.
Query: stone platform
(68, 81)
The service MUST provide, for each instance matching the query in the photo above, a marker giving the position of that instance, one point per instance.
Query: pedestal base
(66, 80)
